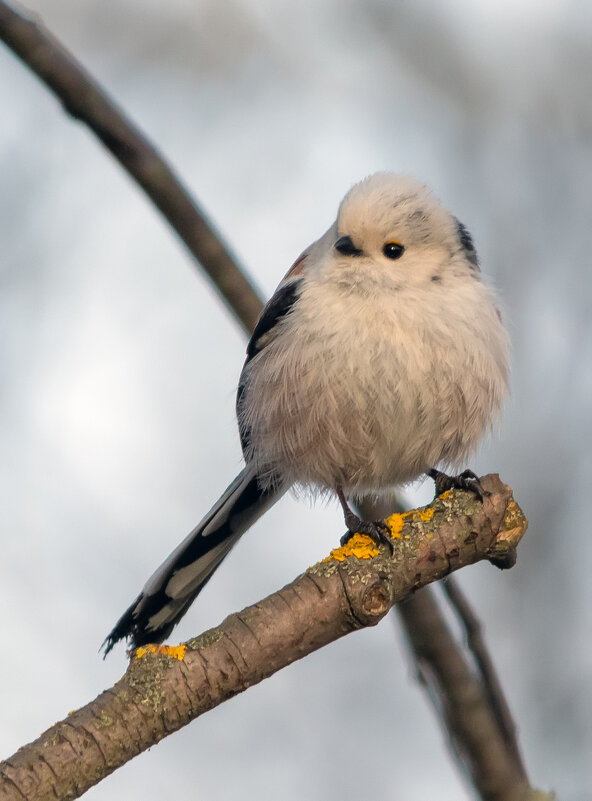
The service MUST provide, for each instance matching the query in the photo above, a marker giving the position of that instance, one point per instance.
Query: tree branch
(86, 101)
(472, 708)
(165, 688)
(487, 672)
(461, 701)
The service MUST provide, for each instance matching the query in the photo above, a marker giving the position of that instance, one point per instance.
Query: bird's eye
(393, 250)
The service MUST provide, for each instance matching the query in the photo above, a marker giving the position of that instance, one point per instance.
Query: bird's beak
(346, 247)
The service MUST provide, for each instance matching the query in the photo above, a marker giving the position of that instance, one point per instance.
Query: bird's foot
(467, 480)
(377, 530)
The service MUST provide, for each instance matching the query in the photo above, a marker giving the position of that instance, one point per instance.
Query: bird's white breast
(372, 392)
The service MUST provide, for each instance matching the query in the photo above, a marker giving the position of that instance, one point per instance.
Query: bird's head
(390, 229)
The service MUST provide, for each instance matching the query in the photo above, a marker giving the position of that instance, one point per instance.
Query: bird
(380, 358)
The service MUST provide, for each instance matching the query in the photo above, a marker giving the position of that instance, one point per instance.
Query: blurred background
(119, 364)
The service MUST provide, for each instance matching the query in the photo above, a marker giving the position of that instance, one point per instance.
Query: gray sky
(119, 364)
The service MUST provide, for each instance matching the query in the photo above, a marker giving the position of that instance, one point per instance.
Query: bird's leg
(467, 480)
(377, 530)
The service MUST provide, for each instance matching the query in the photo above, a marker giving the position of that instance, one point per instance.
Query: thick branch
(471, 705)
(353, 588)
(85, 100)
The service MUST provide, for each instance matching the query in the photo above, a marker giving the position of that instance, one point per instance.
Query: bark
(165, 688)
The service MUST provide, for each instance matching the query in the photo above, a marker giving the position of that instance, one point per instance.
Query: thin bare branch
(85, 100)
(165, 688)
(463, 704)
(487, 671)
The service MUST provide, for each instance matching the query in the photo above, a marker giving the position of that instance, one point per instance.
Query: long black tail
(169, 593)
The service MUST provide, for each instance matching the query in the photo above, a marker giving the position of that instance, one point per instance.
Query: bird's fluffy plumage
(367, 368)
(399, 365)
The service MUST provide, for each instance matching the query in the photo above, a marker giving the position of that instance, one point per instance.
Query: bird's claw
(467, 480)
(377, 530)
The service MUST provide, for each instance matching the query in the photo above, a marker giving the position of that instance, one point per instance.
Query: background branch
(166, 689)
(85, 100)
(487, 672)
(461, 701)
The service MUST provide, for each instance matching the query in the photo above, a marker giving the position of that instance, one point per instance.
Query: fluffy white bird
(380, 357)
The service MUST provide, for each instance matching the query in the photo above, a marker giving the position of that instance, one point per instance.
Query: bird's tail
(172, 589)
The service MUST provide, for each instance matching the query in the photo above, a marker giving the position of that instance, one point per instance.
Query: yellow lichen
(363, 547)
(360, 545)
(395, 523)
(175, 651)
(514, 517)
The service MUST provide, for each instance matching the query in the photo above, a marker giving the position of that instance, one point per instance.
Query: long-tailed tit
(380, 357)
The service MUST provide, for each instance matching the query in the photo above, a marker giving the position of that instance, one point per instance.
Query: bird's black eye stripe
(393, 250)
(346, 247)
